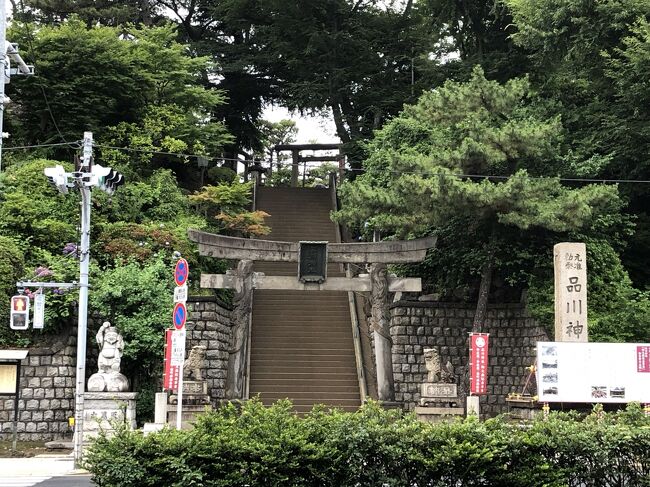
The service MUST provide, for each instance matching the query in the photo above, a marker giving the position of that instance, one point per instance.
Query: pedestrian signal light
(19, 318)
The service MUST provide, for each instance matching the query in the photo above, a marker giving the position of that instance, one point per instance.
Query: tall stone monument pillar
(570, 263)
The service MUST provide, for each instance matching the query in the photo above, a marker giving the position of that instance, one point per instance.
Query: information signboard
(172, 372)
(593, 372)
(39, 311)
(178, 347)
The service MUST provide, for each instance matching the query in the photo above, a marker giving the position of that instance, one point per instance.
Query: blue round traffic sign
(179, 316)
(181, 272)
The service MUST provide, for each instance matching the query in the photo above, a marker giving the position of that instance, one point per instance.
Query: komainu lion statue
(195, 363)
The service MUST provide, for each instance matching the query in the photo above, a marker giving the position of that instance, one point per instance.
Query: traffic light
(106, 178)
(57, 177)
(19, 319)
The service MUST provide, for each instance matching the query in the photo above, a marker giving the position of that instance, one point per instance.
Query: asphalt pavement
(42, 471)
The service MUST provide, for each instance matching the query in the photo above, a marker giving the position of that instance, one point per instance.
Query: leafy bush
(256, 445)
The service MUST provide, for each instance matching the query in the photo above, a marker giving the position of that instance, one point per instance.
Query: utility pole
(7, 51)
(82, 326)
(84, 179)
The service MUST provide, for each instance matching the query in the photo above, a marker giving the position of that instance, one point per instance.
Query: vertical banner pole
(179, 407)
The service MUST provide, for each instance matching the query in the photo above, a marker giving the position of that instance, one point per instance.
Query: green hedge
(258, 446)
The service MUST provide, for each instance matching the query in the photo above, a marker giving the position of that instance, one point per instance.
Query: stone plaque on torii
(243, 280)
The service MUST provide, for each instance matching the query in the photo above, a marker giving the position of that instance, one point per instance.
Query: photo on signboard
(598, 392)
(551, 391)
(618, 392)
(549, 364)
(550, 378)
(549, 351)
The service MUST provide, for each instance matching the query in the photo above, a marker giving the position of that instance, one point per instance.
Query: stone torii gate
(311, 259)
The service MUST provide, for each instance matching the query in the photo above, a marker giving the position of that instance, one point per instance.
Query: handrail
(354, 318)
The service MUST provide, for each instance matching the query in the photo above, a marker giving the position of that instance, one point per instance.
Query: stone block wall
(47, 387)
(417, 325)
(47, 382)
(210, 325)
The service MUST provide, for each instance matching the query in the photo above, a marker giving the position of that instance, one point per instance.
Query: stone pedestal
(523, 407)
(433, 393)
(195, 401)
(103, 411)
(438, 402)
(438, 414)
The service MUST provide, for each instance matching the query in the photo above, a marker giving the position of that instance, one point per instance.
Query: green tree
(106, 12)
(140, 90)
(590, 59)
(479, 152)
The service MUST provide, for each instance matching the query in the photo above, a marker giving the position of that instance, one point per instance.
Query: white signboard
(593, 372)
(178, 347)
(180, 294)
(39, 311)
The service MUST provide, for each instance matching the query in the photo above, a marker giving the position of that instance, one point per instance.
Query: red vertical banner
(171, 372)
(478, 361)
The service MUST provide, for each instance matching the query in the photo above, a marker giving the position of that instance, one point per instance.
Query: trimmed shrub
(272, 446)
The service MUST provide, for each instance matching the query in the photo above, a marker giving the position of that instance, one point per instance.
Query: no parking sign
(179, 316)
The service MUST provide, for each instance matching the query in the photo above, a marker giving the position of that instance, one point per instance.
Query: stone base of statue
(106, 411)
(438, 402)
(432, 414)
(523, 406)
(433, 393)
(196, 400)
(108, 381)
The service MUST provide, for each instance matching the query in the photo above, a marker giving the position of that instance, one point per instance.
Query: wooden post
(295, 164)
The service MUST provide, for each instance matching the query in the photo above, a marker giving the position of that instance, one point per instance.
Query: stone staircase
(301, 341)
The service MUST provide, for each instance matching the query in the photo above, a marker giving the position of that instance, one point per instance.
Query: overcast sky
(310, 129)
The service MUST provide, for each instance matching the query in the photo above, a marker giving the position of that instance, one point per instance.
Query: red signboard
(643, 358)
(171, 372)
(478, 360)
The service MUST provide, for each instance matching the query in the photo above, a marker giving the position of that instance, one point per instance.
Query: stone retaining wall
(417, 325)
(47, 383)
(47, 386)
(210, 326)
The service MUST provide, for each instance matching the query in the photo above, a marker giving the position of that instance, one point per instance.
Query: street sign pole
(179, 317)
(179, 407)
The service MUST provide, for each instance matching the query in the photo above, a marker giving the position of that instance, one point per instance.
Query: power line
(72, 145)
(416, 173)
(29, 38)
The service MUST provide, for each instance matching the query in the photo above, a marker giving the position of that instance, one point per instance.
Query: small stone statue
(195, 363)
(111, 346)
(435, 372)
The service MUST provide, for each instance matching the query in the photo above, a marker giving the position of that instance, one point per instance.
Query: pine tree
(479, 153)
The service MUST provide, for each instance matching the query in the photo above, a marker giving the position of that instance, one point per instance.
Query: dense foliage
(508, 106)
(273, 446)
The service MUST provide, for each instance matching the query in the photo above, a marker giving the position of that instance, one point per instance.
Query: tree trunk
(484, 288)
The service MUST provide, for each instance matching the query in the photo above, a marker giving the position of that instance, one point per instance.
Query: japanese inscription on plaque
(570, 262)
